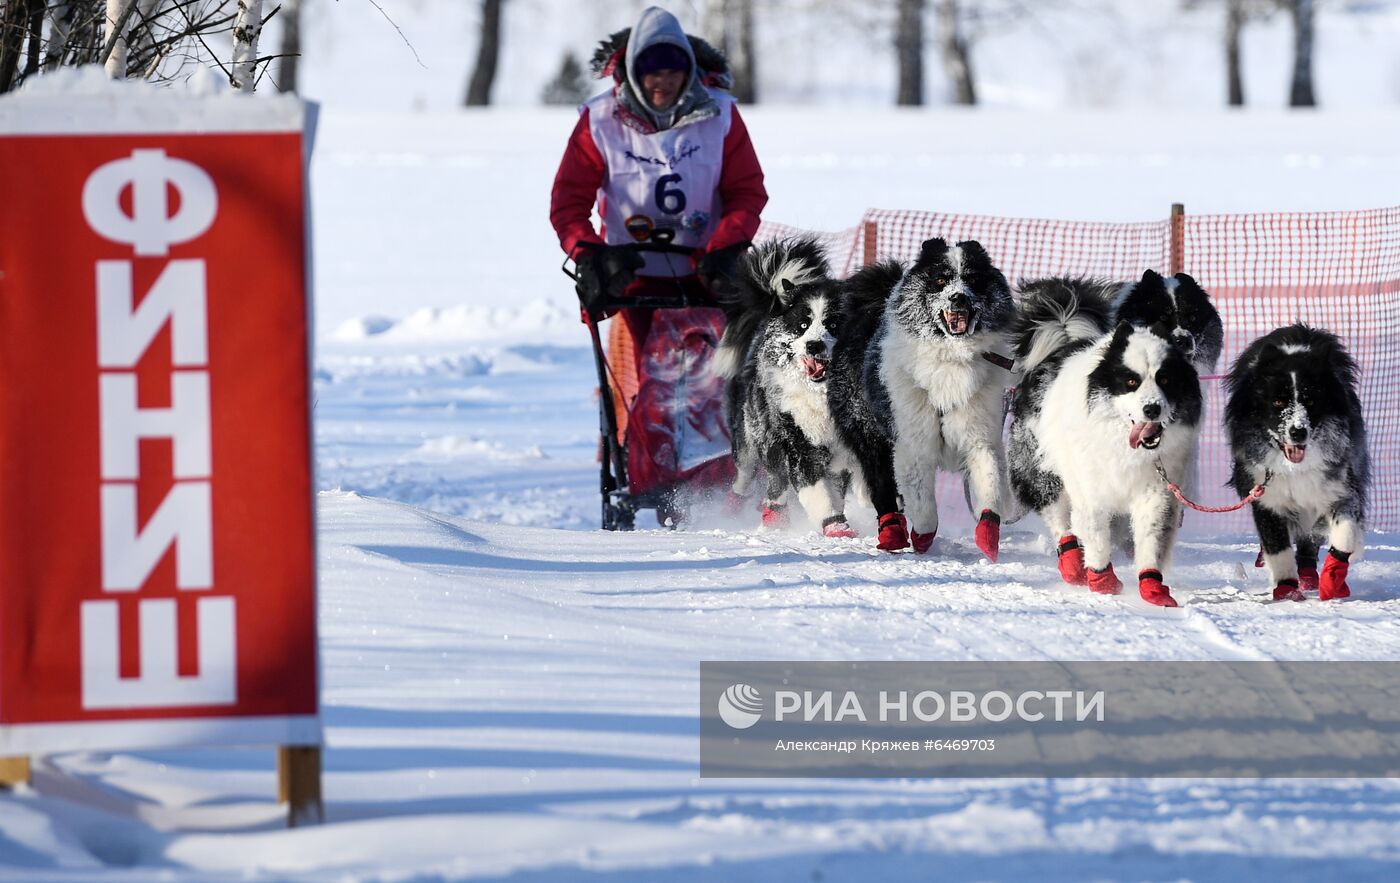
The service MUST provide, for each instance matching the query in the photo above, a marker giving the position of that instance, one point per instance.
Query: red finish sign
(157, 544)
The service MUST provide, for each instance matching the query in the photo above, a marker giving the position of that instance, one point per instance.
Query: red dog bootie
(1152, 590)
(1307, 579)
(989, 534)
(1072, 568)
(1333, 582)
(922, 542)
(894, 533)
(1287, 589)
(1071, 561)
(836, 526)
(1105, 581)
(775, 515)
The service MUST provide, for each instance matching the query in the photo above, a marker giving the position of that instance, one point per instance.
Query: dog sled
(663, 437)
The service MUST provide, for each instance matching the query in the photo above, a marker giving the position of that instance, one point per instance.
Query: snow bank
(539, 321)
(84, 99)
(466, 446)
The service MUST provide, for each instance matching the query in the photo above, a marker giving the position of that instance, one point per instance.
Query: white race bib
(660, 187)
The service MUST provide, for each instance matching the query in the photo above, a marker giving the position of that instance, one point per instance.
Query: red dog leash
(1255, 493)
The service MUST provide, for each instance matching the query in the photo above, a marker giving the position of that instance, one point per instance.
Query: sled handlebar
(662, 248)
(680, 298)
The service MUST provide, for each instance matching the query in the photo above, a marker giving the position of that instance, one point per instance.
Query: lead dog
(775, 352)
(1102, 408)
(1294, 422)
(916, 387)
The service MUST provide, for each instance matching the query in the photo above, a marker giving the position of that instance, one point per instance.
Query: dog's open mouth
(957, 321)
(815, 368)
(1148, 434)
(1294, 453)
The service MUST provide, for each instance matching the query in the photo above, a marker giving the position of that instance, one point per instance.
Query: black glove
(602, 272)
(719, 269)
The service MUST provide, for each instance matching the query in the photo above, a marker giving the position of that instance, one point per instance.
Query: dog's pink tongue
(957, 321)
(1138, 431)
(1294, 453)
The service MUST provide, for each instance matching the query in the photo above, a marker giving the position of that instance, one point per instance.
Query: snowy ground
(511, 700)
(511, 694)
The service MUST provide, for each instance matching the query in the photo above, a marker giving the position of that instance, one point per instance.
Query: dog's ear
(1188, 284)
(1268, 354)
(933, 250)
(785, 290)
(1328, 351)
(1151, 279)
(1341, 367)
(973, 250)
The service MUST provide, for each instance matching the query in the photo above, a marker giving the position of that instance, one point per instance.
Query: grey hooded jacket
(658, 26)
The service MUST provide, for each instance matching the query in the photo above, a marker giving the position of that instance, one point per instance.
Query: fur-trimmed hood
(709, 70)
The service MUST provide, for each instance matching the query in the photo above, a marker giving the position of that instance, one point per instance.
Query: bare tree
(35, 37)
(729, 25)
(909, 47)
(114, 46)
(149, 39)
(1300, 94)
(1238, 15)
(247, 28)
(569, 87)
(12, 36)
(62, 20)
(487, 55)
(956, 49)
(746, 79)
(287, 70)
(1234, 23)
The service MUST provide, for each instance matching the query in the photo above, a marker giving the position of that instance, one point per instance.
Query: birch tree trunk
(1301, 93)
(291, 46)
(487, 53)
(957, 54)
(118, 11)
(247, 27)
(1234, 23)
(909, 47)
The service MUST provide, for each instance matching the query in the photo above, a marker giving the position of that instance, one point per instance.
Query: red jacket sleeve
(576, 186)
(740, 189)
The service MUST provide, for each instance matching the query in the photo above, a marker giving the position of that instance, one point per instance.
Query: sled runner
(660, 406)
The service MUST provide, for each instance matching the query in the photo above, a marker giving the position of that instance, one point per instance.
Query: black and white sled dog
(1102, 406)
(1181, 308)
(776, 353)
(917, 385)
(1294, 422)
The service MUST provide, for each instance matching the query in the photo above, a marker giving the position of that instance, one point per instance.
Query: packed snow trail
(511, 700)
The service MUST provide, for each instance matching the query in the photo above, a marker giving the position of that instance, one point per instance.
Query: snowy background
(510, 693)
